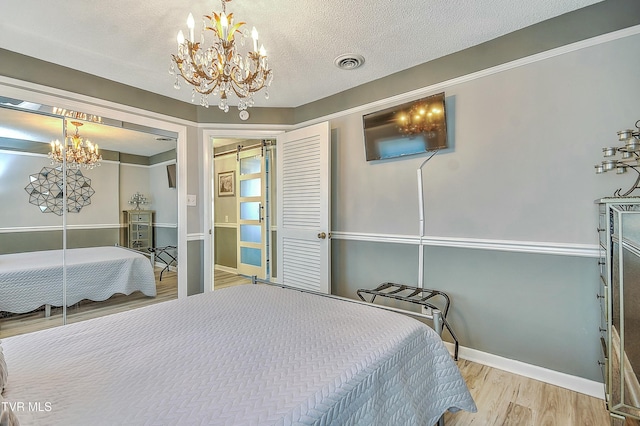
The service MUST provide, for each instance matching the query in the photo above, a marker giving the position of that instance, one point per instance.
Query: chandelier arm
(245, 81)
(179, 62)
(193, 48)
(198, 73)
(253, 77)
(249, 80)
(235, 89)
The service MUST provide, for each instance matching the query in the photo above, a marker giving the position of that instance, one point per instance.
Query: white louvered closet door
(304, 184)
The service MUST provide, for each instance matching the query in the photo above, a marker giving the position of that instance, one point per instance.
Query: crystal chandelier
(220, 69)
(79, 152)
(421, 118)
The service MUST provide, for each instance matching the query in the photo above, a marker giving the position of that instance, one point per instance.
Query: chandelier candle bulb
(191, 24)
(224, 22)
(254, 36)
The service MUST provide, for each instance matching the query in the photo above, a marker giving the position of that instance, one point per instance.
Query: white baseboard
(226, 269)
(563, 380)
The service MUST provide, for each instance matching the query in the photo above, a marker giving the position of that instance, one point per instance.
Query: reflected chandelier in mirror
(79, 152)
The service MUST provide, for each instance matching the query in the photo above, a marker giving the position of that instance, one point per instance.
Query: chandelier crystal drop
(220, 69)
(79, 152)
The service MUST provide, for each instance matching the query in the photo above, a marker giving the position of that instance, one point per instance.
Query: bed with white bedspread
(33, 279)
(246, 355)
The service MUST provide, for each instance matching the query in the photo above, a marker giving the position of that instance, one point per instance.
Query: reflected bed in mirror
(34, 279)
(135, 159)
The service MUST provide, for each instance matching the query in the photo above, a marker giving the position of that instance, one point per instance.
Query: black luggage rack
(420, 296)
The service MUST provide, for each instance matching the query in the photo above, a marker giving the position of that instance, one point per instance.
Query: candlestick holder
(628, 157)
(138, 199)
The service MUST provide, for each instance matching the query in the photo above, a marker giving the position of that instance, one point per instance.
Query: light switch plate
(191, 200)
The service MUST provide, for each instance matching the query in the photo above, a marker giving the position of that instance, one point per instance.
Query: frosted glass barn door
(251, 209)
(304, 213)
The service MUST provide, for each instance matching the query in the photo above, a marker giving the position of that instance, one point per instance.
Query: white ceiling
(131, 42)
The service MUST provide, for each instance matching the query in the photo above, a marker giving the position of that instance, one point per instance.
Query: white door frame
(207, 135)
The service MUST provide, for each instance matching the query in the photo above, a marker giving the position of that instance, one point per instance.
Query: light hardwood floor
(226, 279)
(502, 398)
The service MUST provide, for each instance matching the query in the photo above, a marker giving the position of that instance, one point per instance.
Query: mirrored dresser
(139, 230)
(619, 296)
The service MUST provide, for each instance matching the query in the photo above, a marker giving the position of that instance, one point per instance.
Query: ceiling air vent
(349, 61)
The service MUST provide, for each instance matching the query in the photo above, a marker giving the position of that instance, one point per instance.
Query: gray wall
(23, 227)
(535, 308)
(226, 247)
(225, 215)
(195, 268)
(524, 143)
(133, 178)
(114, 184)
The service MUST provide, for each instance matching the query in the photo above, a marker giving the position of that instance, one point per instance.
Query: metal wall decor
(46, 190)
(629, 157)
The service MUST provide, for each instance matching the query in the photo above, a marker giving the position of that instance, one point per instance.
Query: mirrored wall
(82, 238)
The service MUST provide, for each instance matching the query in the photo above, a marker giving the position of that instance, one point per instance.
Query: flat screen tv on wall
(411, 128)
(171, 175)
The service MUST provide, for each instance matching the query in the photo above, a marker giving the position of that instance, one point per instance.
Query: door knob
(322, 235)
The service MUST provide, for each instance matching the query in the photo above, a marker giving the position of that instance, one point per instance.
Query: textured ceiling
(131, 42)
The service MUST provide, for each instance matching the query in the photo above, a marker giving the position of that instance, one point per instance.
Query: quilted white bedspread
(248, 355)
(30, 280)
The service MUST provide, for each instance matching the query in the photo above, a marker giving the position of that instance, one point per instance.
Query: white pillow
(7, 416)
(3, 372)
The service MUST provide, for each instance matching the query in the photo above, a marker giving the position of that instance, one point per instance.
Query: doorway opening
(242, 215)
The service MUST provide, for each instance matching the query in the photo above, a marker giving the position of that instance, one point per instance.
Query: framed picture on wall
(226, 184)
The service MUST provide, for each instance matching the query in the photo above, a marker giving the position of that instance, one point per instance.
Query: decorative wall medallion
(46, 191)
